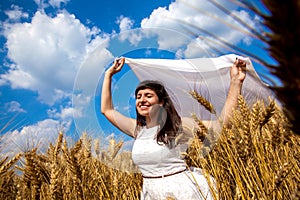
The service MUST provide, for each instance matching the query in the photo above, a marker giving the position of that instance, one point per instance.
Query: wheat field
(258, 157)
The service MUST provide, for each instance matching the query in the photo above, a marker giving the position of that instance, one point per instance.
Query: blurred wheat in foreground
(257, 158)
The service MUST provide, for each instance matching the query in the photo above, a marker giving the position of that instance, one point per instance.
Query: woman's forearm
(231, 101)
(106, 97)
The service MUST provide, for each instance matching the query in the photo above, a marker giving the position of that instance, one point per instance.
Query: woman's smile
(143, 107)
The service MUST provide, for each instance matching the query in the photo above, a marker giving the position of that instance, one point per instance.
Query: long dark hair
(171, 126)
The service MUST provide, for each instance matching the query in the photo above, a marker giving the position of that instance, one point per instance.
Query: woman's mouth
(144, 107)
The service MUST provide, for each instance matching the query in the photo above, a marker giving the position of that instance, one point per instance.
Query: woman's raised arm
(125, 124)
(237, 77)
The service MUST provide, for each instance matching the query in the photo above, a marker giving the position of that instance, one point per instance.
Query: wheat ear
(204, 102)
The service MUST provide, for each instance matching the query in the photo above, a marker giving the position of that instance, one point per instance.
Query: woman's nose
(142, 99)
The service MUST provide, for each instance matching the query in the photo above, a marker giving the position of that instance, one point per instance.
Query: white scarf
(210, 77)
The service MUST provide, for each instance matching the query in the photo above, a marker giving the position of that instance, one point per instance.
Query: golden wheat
(204, 102)
(256, 158)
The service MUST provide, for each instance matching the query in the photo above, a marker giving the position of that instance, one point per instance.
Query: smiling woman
(161, 136)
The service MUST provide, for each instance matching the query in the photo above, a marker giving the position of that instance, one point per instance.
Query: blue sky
(54, 53)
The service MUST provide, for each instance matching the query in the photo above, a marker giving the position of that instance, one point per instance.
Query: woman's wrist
(237, 84)
(108, 74)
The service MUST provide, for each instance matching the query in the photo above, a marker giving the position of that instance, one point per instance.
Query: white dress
(158, 160)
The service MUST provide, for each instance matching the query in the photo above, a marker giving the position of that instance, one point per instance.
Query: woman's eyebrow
(146, 93)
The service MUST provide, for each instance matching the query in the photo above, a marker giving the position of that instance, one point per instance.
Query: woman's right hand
(116, 66)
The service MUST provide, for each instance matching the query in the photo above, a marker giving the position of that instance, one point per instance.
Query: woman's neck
(151, 122)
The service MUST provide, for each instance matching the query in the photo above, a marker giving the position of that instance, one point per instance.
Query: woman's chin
(144, 113)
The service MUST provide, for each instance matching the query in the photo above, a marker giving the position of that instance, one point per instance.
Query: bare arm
(237, 76)
(125, 124)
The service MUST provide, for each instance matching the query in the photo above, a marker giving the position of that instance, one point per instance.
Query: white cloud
(70, 112)
(18, 79)
(56, 56)
(54, 3)
(16, 13)
(187, 20)
(159, 22)
(57, 3)
(126, 33)
(38, 136)
(47, 53)
(66, 113)
(125, 23)
(14, 106)
(197, 47)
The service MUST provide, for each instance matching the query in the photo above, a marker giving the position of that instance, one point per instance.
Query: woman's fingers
(238, 70)
(240, 63)
(117, 65)
(119, 62)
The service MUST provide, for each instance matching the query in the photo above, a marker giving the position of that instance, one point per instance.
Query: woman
(157, 151)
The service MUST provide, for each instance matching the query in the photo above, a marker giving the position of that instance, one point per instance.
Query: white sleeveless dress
(158, 160)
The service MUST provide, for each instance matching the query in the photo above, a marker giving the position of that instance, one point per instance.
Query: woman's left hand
(238, 71)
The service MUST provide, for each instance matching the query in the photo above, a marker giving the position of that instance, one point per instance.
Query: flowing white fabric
(210, 77)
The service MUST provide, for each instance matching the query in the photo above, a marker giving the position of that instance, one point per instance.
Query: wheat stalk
(267, 114)
(5, 167)
(201, 132)
(116, 149)
(73, 167)
(204, 102)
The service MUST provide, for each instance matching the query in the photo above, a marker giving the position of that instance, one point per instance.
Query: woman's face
(146, 102)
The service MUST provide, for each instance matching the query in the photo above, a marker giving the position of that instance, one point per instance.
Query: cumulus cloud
(162, 19)
(47, 53)
(126, 33)
(39, 135)
(16, 13)
(59, 58)
(54, 3)
(65, 113)
(58, 3)
(187, 20)
(195, 47)
(14, 106)
(70, 113)
(125, 23)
